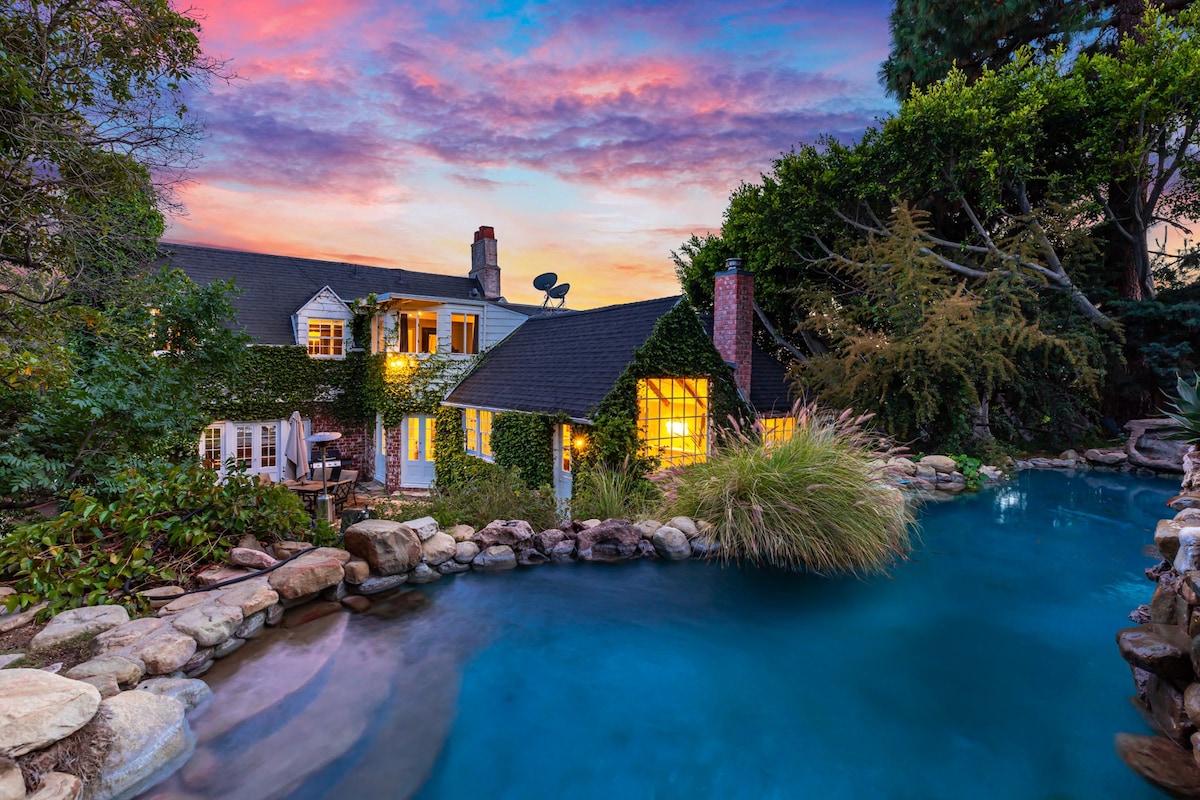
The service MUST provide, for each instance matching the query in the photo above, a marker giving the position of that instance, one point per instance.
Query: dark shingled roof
(561, 362)
(275, 287)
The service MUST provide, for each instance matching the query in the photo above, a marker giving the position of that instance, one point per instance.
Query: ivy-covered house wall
(678, 347)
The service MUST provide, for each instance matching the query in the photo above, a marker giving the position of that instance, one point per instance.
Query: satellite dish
(559, 292)
(544, 281)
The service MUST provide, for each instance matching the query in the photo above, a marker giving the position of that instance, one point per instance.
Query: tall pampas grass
(812, 502)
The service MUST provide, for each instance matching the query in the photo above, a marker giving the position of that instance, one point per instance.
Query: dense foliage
(813, 501)
(1184, 409)
(524, 443)
(492, 493)
(154, 526)
(1004, 189)
(606, 492)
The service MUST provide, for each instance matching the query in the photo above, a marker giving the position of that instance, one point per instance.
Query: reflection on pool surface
(985, 667)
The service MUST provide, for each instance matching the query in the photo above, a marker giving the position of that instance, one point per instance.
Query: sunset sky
(595, 136)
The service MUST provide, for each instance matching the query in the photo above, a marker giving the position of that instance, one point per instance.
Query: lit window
(464, 333)
(244, 445)
(673, 419)
(417, 332)
(478, 426)
(471, 423)
(430, 427)
(325, 337)
(414, 439)
(565, 436)
(776, 430)
(210, 446)
(485, 434)
(268, 446)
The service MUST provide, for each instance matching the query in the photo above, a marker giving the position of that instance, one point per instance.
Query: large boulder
(209, 624)
(942, 464)
(1150, 445)
(462, 533)
(671, 543)
(423, 573)
(389, 547)
(1167, 710)
(1164, 650)
(516, 534)
(58, 786)
(78, 623)
(495, 558)
(424, 527)
(685, 524)
(545, 541)
(189, 691)
(299, 578)
(38, 708)
(151, 739)
(1108, 458)
(611, 541)
(438, 548)
(12, 782)
(465, 552)
(1161, 762)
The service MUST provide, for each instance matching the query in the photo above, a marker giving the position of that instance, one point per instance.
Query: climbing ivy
(453, 466)
(678, 347)
(525, 442)
(272, 382)
(415, 386)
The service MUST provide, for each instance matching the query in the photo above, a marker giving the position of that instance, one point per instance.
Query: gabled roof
(275, 287)
(561, 361)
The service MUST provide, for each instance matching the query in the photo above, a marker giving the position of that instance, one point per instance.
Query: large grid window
(210, 446)
(326, 337)
(673, 419)
(268, 447)
(478, 426)
(464, 333)
(776, 430)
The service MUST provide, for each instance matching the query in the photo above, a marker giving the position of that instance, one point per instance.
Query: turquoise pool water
(985, 667)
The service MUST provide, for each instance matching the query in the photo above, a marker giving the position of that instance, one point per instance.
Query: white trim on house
(264, 456)
(324, 305)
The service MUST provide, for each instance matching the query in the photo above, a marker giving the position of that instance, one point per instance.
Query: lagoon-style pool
(984, 667)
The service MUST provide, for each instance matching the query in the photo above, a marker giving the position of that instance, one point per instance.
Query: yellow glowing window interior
(414, 439)
(212, 446)
(673, 419)
(565, 433)
(777, 429)
(464, 333)
(417, 332)
(325, 337)
(471, 423)
(485, 433)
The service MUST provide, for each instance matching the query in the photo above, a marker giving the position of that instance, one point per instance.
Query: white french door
(417, 466)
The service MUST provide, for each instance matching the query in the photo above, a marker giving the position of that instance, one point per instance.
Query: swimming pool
(984, 667)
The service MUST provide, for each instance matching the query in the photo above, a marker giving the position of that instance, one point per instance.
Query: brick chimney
(733, 320)
(484, 266)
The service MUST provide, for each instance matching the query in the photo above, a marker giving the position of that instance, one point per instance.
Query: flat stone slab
(39, 708)
(380, 583)
(126, 634)
(1161, 649)
(76, 624)
(189, 691)
(124, 670)
(209, 624)
(252, 597)
(163, 652)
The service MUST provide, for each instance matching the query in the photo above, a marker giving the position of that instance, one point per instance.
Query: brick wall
(733, 320)
(357, 442)
(394, 442)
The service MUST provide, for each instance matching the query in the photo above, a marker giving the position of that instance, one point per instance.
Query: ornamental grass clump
(812, 502)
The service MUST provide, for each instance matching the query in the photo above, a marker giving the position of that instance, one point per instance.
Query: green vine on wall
(397, 386)
(272, 382)
(525, 442)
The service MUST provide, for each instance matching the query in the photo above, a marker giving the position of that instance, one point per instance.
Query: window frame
(467, 323)
(665, 391)
(477, 425)
(334, 342)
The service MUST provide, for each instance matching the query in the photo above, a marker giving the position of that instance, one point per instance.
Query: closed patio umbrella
(296, 450)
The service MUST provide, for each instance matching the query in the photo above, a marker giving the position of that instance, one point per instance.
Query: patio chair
(340, 493)
(266, 478)
(351, 478)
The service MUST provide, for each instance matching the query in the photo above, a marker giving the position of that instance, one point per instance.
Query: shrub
(604, 492)
(158, 527)
(493, 493)
(811, 502)
(1186, 410)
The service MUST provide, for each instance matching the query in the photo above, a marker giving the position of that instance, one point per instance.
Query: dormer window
(464, 334)
(326, 337)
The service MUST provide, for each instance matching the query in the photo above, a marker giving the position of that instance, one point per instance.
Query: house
(655, 363)
(311, 304)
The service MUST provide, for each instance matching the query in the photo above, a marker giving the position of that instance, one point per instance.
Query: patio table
(309, 491)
